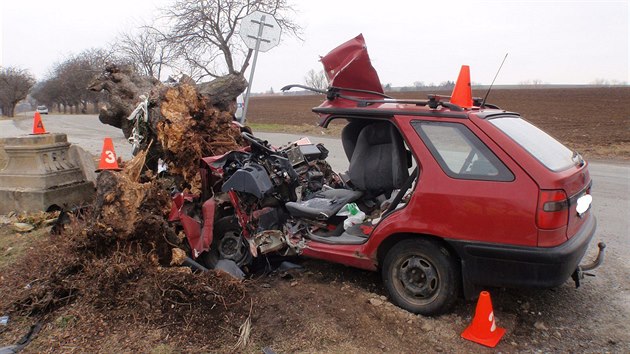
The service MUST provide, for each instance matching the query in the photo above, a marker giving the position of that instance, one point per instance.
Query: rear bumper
(486, 264)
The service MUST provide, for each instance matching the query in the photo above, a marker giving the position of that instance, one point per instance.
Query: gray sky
(563, 42)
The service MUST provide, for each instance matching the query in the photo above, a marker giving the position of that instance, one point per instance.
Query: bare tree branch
(147, 50)
(316, 79)
(198, 30)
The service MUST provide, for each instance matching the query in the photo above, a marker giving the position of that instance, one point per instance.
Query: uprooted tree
(189, 120)
(186, 121)
(200, 37)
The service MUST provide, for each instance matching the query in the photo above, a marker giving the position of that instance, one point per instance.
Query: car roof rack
(332, 92)
(433, 102)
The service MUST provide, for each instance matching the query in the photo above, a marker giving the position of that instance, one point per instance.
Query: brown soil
(98, 288)
(326, 308)
(595, 121)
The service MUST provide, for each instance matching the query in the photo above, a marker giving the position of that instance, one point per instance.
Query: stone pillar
(39, 175)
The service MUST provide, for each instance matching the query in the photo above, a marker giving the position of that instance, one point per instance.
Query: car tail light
(553, 209)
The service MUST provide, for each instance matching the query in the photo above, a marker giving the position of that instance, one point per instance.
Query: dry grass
(13, 244)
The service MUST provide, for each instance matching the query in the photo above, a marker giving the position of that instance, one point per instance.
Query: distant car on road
(42, 109)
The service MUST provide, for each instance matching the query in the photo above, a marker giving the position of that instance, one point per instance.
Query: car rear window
(549, 151)
(460, 153)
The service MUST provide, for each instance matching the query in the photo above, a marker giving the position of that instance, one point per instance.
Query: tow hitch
(582, 270)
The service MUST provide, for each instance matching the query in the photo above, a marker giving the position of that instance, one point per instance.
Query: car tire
(421, 276)
(227, 243)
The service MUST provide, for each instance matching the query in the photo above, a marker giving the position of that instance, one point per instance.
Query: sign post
(260, 32)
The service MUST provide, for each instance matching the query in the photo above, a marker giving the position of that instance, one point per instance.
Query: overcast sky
(563, 42)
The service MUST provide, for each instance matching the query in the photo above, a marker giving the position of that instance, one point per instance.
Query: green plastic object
(353, 208)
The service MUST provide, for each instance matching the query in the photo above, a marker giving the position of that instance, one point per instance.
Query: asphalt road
(609, 290)
(83, 130)
(611, 190)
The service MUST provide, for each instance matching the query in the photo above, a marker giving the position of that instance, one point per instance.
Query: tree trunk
(125, 87)
(10, 110)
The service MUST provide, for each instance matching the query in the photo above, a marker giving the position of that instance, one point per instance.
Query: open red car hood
(349, 66)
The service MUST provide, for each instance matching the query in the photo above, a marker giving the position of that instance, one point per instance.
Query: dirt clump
(113, 266)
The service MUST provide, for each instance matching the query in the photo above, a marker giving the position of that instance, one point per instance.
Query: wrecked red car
(441, 195)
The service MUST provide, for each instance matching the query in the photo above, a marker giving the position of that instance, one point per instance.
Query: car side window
(460, 153)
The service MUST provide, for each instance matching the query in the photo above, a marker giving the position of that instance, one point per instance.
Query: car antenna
(483, 103)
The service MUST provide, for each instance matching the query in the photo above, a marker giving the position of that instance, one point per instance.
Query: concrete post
(40, 175)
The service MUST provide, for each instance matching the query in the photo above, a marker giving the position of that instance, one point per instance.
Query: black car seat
(378, 166)
(379, 161)
(350, 134)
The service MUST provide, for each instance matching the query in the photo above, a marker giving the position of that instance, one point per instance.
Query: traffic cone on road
(108, 157)
(483, 329)
(38, 126)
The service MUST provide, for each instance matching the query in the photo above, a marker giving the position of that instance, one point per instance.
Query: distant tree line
(318, 80)
(421, 85)
(65, 88)
(605, 82)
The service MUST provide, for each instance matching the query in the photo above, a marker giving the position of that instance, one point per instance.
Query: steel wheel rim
(417, 279)
(231, 246)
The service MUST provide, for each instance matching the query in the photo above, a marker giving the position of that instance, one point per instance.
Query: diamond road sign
(260, 25)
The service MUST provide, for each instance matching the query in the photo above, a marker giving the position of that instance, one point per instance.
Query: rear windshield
(549, 151)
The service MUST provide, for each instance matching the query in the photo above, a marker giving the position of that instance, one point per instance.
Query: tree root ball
(193, 128)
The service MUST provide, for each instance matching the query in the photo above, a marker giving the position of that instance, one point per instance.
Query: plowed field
(594, 121)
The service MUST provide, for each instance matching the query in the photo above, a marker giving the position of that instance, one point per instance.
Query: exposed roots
(114, 265)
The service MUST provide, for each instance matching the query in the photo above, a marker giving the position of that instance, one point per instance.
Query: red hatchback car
(477, 196)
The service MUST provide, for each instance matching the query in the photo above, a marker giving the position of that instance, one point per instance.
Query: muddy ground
(327, 307)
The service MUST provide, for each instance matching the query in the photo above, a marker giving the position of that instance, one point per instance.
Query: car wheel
(421, 276)
(227, 243)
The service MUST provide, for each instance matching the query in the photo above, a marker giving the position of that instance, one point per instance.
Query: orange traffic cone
(462, 92)
(38, 126)
(108, 157)
(483, 329)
